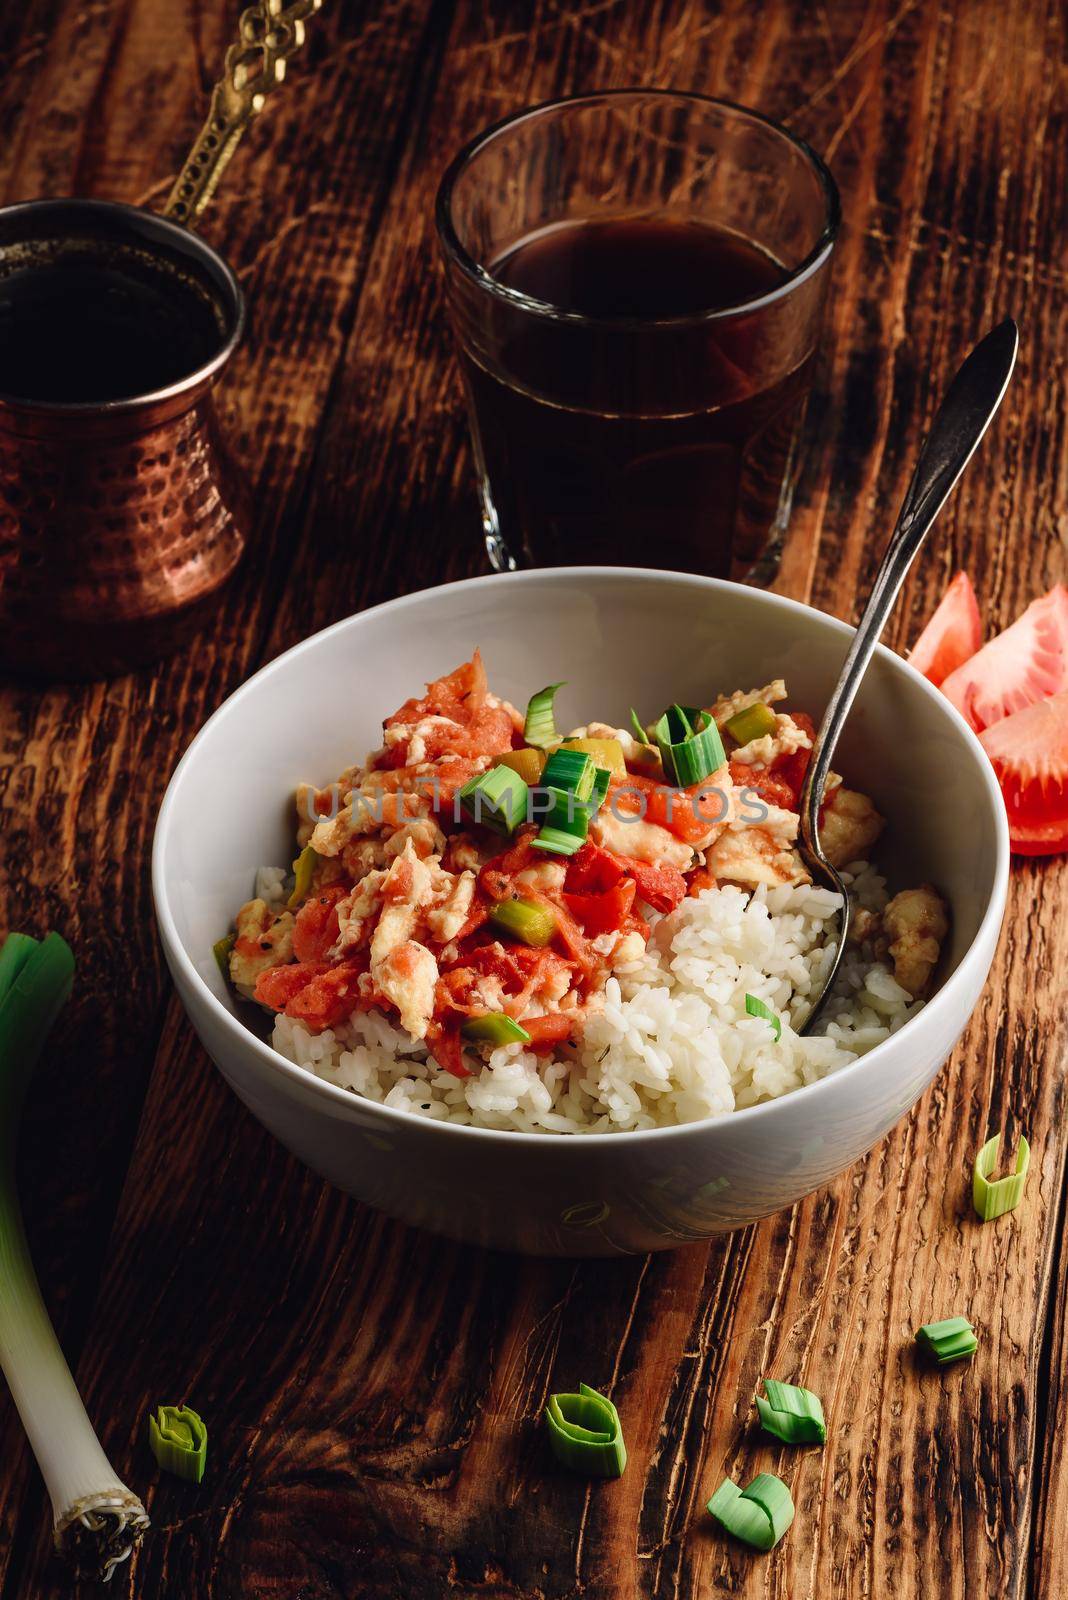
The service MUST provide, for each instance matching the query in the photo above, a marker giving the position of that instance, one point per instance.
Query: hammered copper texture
(110, 545)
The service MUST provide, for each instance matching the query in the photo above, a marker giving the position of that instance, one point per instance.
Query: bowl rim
(333, 1095)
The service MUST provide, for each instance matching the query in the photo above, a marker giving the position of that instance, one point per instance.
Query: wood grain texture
(373, 1393)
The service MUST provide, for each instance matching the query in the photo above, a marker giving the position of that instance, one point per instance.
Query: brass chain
(269, 34)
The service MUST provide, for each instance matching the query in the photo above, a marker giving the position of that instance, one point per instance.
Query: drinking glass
(635, 280)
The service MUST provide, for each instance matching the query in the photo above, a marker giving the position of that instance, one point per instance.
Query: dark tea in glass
(636, 282)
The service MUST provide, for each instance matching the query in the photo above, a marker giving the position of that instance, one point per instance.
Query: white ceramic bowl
(619, 637)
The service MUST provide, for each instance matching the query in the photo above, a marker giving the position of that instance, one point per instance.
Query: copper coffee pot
(122, 518)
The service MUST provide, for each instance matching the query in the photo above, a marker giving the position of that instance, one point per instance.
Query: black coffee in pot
(83, 324)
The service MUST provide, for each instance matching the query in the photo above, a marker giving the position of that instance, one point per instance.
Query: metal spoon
(959, 424)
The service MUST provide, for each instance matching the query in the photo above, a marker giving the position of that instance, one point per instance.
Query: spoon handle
(959, 424)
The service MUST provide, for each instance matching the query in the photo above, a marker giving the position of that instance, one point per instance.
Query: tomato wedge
(1029, 752)
(1028, 662)
(953, 635)
(792, 769)
(661, 886)
(592, 870)
(604, 912)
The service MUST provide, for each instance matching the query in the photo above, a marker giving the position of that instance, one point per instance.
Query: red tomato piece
(471, 729)
(455, 991)
(592, 870)
(461, 691)
(772, 789)
(476, 917)
(791, 769)
(495, 878)
(604, 912)
(545, 1032)
(316, 927)
(953, 635)
(327, 998)
(488, 733)
(569, 934)
(496, 960)
(445, 1045)
(277, 986)
(1029, 752)
(659, 885)
(684, 812)
(1028, 662)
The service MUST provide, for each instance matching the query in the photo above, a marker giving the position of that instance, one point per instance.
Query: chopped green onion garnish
(499, 799)
(567, 813)
(97, 1520)
(757, 1008)
(585, 1433)
(793, 1415)
(587, 809)
(566, 822)
(559, 841)
(495, 1027)
(525, 920)
(639, 732)
(570, 770)
(690, 745)
(221, 951)
(539, 729)
(755, 722)
(601, 779)
(759, 1515)
(179, 1441)
(679, 723)
(304, 870)
(949, 1340)
(993, 1198)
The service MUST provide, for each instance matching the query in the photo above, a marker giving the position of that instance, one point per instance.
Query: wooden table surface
(373, 1393)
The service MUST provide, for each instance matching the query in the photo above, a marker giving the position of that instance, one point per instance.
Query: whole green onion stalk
(98, 1521)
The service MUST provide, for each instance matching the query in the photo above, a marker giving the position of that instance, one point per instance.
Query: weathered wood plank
(82, 770)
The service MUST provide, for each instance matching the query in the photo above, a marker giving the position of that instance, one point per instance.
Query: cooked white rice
(673, 1042)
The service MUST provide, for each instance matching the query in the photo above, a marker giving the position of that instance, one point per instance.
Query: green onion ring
(949, 1340)
(690, 745)
(585, 1433)
(539, 726)
(994, 1197)
(792, 1414)
(178, 1439)
(759, 1515)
